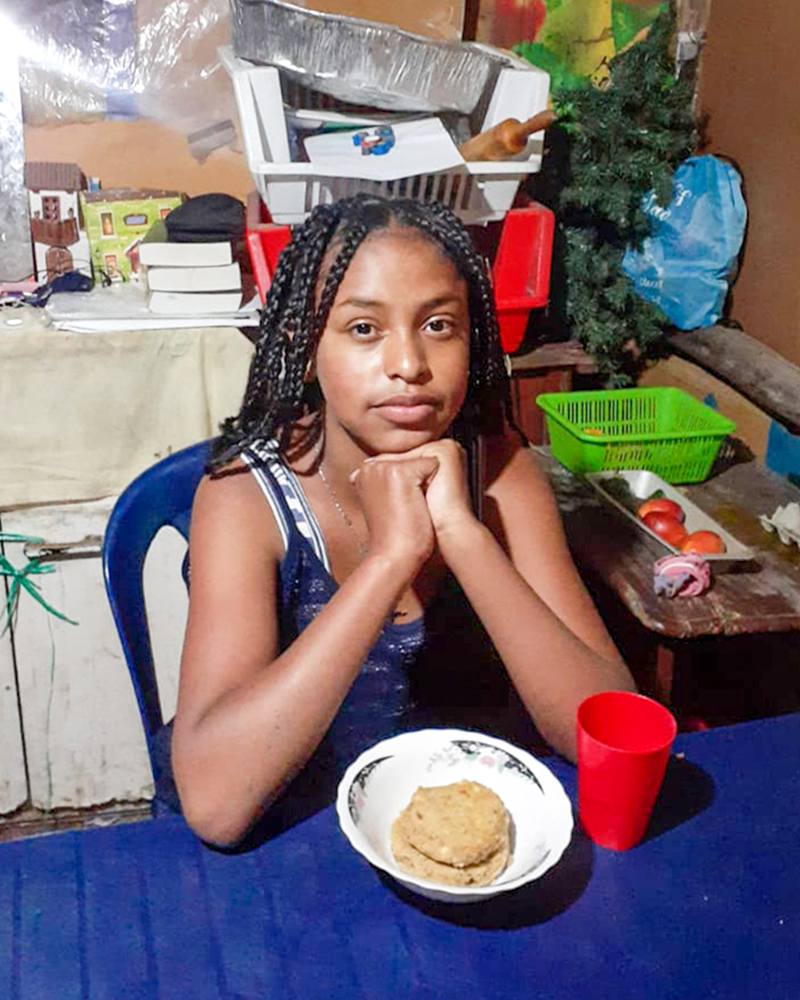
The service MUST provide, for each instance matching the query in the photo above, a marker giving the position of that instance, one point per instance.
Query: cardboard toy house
(59, 241)
(116, 221)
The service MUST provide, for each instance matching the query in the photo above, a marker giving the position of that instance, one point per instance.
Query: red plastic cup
(624, 741)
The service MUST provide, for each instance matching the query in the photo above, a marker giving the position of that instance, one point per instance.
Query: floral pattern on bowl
(355, 796)
(484, 754)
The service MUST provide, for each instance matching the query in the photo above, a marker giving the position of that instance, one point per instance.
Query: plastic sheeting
(686, 266)
(85, 60)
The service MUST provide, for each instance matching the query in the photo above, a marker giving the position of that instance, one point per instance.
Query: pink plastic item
(681, 576)
(624, 741)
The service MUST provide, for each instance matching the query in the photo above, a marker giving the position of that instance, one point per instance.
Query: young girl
(343, 586)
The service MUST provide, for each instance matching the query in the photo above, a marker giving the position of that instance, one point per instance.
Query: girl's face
(393, 359)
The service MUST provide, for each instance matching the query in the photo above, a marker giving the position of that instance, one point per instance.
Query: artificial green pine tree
(611, 147)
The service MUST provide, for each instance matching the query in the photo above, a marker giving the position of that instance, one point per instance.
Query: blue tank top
(440, 669)
(379, 702)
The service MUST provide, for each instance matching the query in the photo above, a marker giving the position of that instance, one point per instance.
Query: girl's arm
(248, 716)
(518, 575)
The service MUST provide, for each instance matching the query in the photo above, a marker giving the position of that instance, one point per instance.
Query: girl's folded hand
(392, 495)
(447, 490)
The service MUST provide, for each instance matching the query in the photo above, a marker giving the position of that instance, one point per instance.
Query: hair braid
(274, 394)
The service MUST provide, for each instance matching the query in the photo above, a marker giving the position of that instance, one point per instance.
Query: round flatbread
(461, 824)
(421, 866)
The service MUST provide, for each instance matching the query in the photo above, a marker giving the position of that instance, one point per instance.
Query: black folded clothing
(207, 218)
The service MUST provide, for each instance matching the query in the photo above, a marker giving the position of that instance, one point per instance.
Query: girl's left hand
(447, 492)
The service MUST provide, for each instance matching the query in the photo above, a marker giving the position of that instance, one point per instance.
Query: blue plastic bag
(686, 266)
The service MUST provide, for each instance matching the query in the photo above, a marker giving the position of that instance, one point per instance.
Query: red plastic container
(265, 241)
(520, 271)
(624, 741)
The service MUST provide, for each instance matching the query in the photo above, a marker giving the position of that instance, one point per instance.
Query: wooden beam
(563, 354)
(757, 371)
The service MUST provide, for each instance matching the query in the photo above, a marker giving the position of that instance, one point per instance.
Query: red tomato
(703, 542)
(661, 505)
(668, 528)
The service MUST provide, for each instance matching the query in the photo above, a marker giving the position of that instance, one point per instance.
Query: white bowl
(379, 784)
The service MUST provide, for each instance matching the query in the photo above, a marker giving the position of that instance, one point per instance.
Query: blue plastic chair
(162, 495)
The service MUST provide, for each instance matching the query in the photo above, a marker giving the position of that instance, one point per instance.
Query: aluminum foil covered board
(16, 254)
(363, 62)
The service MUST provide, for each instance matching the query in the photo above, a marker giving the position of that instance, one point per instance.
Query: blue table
(707, 906)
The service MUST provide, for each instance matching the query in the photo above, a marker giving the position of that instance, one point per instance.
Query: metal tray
(642, 485)
(365, 62)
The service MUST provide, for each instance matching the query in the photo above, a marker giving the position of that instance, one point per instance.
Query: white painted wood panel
(167, 603)
(83, 732)
(13, 786)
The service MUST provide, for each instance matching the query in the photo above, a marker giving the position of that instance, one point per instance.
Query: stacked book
(187, 279)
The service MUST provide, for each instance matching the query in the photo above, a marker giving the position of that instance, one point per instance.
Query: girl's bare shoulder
(519, 505)
(230, 509)
(512, 471)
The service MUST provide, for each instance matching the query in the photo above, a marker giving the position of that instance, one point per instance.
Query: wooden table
(758, 597)
(705, 907)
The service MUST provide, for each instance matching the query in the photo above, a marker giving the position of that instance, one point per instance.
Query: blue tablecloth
(707, 906)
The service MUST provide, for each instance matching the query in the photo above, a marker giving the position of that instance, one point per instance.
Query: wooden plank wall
(748, 89)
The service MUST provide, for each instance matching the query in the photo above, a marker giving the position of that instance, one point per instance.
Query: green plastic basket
(666, 431)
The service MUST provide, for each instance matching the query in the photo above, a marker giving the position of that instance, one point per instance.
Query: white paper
(164, 323)
(124, 307)
(421, 147)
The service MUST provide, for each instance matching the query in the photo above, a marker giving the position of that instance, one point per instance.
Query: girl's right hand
(392, 495)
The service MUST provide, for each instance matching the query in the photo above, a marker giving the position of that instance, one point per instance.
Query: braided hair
(296, 312)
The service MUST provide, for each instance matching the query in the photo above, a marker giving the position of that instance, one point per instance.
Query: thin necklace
(362, 548)
(342, 512)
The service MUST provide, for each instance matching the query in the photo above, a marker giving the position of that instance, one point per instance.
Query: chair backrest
(162, 495)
